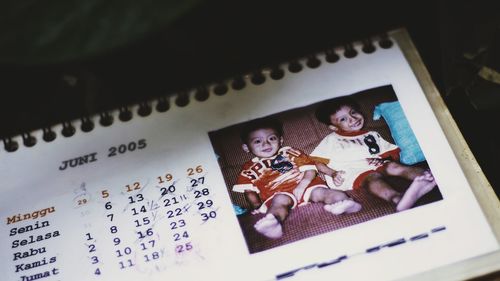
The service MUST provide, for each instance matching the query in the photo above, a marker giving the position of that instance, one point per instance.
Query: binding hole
(125, 114)
(162, 105)
(28, 140)
(182, 99)
(220, 89)
(144, 109)
(349, 51)
(294, 67)
(106, 119)
(201, 94)
(385, 42)
(277, 73)
(10, 145)
(87, 124)
(68, 129)
(368, 46)
(331, 56)
(258, 78)
(313, 62)
(238, 83)
(48, 135)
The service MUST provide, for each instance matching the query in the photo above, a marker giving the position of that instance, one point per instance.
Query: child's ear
(245, 148)
(333, 128)
(281, 141)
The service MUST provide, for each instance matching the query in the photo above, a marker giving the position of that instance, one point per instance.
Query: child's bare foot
(345, 206)
(269, 226)
(428, 175)
(420, 186)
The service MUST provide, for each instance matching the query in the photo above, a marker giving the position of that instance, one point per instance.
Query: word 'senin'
(78, 161)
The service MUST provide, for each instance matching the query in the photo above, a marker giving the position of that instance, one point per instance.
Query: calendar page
(197, 193)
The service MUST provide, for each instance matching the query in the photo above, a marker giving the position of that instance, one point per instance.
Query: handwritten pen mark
(174, 184)
(156, 218)
(197, 183)
(153, 215)
(145, 186)
(134, 193)
(153, 205)
(82, 188)
(81, 194)
(209, 219)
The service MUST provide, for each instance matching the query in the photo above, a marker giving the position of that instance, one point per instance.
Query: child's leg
(420, 186)
(423, 182)
(270, 225)
(336, 202)
(400, 170)
(376, 184)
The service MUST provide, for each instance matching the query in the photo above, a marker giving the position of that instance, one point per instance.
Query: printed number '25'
(185, 247)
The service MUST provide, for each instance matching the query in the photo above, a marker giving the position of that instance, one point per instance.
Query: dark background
(217, 40)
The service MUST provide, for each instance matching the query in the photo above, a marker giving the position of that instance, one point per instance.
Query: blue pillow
(401, 132)
(239, 210)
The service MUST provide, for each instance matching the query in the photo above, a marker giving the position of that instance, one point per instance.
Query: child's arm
(336, 175)
(253, 198)
(325, 169)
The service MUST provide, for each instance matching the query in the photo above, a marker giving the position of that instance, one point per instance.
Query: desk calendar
(152, 198)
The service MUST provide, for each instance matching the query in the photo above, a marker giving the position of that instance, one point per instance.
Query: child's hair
(329, 107)
(261, 123)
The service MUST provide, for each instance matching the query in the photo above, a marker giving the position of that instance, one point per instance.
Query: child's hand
(377, 161)
(338, 177)
(256, 212)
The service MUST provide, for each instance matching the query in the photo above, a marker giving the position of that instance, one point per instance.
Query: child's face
(263, 143)
(347, 119)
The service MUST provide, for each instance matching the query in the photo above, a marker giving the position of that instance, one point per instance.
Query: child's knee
(372, 177)
(327, 195)
(318, 194)
(408, 172)
(338, 195)
(393, 168)
(282, 200)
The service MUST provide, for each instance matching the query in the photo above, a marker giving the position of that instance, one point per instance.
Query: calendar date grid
(147, 226)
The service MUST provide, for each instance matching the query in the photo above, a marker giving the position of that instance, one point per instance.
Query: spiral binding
(202, 93)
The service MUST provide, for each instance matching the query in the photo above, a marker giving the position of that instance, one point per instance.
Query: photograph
(326, 166)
